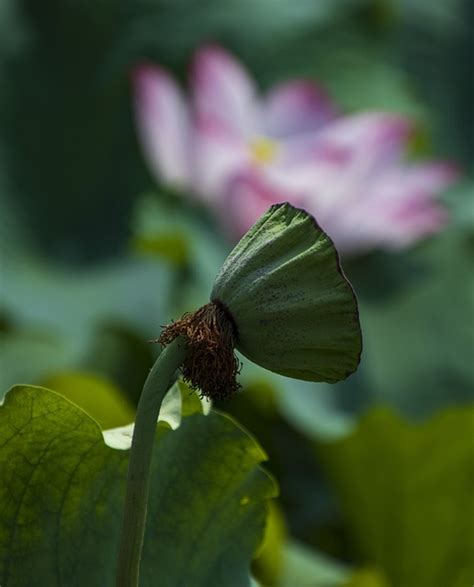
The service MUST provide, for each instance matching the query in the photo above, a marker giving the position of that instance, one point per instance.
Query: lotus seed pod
(293, 310)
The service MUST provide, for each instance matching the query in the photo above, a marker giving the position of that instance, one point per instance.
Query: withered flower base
(210, 367)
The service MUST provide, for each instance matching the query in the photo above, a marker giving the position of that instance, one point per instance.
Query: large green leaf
(62, 488)
(407, 493)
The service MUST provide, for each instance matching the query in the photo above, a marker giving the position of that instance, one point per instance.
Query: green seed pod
(295, 312)
(282, 300)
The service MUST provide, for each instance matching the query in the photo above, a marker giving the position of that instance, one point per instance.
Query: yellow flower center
(263, 150)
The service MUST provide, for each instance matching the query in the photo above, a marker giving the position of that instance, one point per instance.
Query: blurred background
(97, 254)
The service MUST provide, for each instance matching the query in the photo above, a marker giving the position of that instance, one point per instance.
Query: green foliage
(283, 562)
(301, 566)
(72, 303)
(120, 354)
(304, 567)
(315, 410)
(29, 356)
(62, 488)
(408, 362)
(102, 400)
(97, 319)
(195, 252)
(406, 491)
(366, 578)
(268, 566)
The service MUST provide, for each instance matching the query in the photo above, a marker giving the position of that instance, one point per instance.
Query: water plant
(282, 300)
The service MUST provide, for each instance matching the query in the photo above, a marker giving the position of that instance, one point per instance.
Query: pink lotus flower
(240, 152)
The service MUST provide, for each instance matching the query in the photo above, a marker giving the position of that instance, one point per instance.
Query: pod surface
(295, 312)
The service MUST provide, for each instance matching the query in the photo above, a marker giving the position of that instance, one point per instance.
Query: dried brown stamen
(211, 366)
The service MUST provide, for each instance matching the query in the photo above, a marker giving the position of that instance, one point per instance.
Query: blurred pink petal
(396, 226)
(223, 90)
(400, 204)
(428, 178)
(390, 209)
(163, 124)
(296, 107)
(368, 140)
(248, 196)
(405, 187)
(218, 155)
(412, 221)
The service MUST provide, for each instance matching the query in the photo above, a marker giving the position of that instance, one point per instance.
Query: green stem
(138, 478)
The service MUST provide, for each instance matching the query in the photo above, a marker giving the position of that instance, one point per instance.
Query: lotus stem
(138, 478)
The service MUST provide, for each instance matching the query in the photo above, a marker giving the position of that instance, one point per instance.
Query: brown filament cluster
(211, 366)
